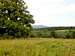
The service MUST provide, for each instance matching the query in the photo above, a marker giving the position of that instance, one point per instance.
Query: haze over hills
(39, 26)
(57, 27)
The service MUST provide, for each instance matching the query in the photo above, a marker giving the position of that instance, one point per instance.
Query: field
(37, 47)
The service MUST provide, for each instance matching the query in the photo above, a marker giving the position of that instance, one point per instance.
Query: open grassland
(37, 47)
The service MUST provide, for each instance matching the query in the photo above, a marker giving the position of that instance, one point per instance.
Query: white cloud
(52, 12)
(69, 8)
(43, 9)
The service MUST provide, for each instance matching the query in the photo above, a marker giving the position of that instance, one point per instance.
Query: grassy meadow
(37, 47)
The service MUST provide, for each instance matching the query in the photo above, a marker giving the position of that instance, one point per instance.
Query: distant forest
(48, 32)
(54, 32)
(55, 28)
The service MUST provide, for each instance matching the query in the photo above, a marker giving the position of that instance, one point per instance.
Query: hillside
(39, 26)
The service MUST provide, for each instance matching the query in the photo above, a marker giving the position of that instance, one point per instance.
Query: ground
(37, 47)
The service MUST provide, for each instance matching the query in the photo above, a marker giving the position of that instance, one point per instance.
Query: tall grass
(37, 47)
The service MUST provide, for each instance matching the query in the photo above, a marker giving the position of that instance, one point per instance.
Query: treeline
(54, 32)
(55, 28)
(50, 32)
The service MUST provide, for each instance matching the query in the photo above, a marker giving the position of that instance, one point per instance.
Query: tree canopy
(15, 17)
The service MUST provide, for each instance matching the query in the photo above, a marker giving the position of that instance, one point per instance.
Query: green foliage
(53, 33)
(15, 17)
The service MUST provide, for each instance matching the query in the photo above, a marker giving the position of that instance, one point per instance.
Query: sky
(52, 12)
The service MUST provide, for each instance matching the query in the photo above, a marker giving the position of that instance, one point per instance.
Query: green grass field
(37, 47)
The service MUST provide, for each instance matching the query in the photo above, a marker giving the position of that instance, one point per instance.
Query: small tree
(73, 34)
(53, 34)
(69, 34)
(15, 17)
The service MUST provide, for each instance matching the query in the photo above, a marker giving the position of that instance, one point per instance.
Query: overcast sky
(52, 12)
